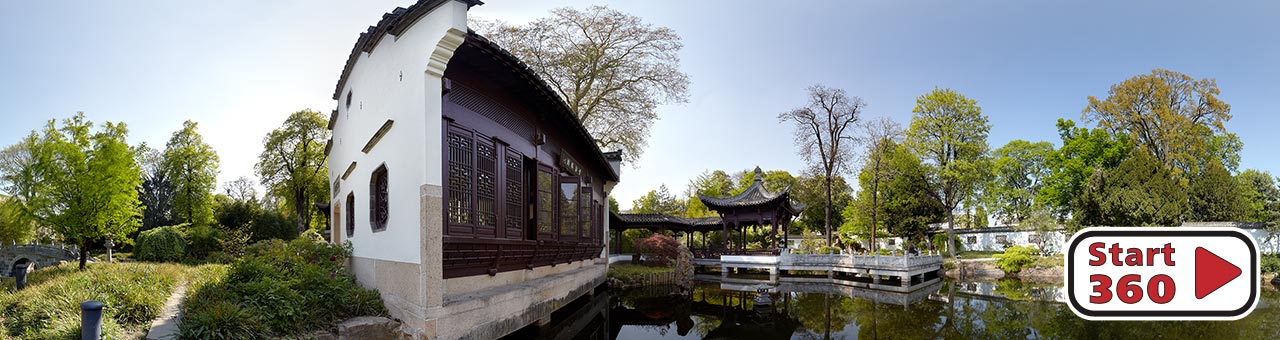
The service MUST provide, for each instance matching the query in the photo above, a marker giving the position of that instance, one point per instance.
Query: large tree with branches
(611, 68)
(949, 132)
(292, 164)
(823, 133)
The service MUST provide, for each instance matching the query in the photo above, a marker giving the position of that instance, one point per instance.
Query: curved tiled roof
(393, 23)
(632, 221)
(400, 19)
(756, 195)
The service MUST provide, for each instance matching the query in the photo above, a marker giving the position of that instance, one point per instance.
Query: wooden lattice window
(546, 203)
(515, 219)
(569, 209)
(486, 189)
(584, 208)
(351, 214)
(461, 172)
(378, 196)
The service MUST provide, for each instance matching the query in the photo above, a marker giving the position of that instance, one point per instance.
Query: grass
(631, 274)
(134, 294)
(1050, 261)
(977, 254)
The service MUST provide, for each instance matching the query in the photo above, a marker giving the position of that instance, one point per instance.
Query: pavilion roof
(662, 221)
(755, 196)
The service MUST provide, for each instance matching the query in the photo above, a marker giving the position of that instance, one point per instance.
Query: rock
(1276, 280)
(320, 335)
(369, 328)
(1041, 275)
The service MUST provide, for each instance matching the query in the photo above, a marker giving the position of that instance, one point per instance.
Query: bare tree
(822, 133)
(610, 67)
(880, 134)
(241, 189)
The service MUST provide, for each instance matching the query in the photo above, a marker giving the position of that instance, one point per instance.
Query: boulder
(1276, 280)
(369, 328)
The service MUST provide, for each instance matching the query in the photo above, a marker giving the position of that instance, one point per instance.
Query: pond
(1007, 309)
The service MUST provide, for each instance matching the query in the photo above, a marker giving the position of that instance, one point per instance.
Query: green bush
(1015, 258)
(940, 243)
(828, 250)
(277, 289)
(202, 240)
(163, 244)
(1271, 263)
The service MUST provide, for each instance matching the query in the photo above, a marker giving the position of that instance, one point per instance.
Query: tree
(1169, 115)
(83, 184)
(882, 136)
(1140, 191)
(15, 225)
(774, 180)
(1262, 197)
(1084, 151)
(1020, 171)
(156, 192)
(241, 190)
(611, 68)
(292, 164)
(810, 190)
(658, 201)
(1216, 196)
(191, 166)
(950, 132)
(823, 135)
(714, 183)
(613, 204)
(906, 206)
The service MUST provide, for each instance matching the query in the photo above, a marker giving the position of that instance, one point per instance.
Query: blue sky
(240, 67)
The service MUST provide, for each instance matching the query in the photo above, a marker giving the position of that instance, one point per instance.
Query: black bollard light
(91, 320)
(19, 274)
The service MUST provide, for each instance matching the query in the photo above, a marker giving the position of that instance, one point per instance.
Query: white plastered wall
(394, 82)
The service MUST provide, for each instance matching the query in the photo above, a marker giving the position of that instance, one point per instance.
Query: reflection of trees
(822, 313)
(919, 320)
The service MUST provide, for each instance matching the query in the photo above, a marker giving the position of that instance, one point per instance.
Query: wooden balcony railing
(464, 256)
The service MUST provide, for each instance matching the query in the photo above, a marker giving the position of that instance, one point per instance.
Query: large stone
(369, 328)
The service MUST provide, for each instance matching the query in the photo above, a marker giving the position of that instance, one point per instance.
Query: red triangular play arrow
(1212, 272)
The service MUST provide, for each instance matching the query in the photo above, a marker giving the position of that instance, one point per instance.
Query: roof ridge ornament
(759, 174)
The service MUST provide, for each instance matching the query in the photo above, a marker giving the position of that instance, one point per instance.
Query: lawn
(133, 292)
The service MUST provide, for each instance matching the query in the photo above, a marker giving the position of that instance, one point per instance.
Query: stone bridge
(38, 254)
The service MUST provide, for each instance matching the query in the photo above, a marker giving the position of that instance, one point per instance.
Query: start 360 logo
(1178, 273)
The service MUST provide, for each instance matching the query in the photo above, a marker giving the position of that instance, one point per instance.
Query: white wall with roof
(392, 83)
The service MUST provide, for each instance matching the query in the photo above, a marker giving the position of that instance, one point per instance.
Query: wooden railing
(464, 256)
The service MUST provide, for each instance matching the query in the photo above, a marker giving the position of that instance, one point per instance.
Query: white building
(473, 198)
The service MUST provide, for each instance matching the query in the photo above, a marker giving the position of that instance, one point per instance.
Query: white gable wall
(392, 83)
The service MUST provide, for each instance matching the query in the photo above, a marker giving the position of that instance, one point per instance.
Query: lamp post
(109, 244)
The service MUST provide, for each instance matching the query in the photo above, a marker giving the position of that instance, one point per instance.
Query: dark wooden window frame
(379, 205)
(351, 214)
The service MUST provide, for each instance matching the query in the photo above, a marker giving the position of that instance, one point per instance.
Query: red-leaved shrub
(658, 249)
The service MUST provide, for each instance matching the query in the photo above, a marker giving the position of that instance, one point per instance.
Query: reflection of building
(473, 198)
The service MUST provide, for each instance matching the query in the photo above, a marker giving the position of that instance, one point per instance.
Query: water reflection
(981, 310)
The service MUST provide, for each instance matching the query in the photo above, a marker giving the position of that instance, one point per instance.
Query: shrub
(940, 243)
(1014, 258)
(1271, 263)
(278, 289)
(658, 249)
(202, 240)
(163, 244)
(828, 250)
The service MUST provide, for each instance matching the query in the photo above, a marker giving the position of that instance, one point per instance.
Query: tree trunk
(827, 220)
(84, 253)
(951, 232)
(300, 208)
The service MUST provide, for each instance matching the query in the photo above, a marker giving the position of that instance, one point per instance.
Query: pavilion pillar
(725, 233)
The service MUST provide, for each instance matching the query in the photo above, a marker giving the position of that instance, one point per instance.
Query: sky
(239, 68)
